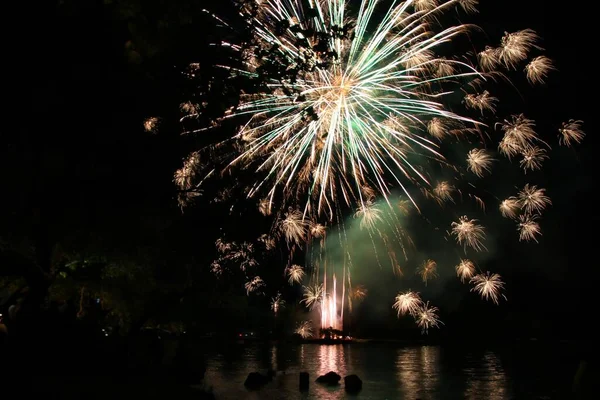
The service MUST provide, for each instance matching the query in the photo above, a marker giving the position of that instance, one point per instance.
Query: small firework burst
(427, 317)
(295, 274)
(519, 135)
(465, 270)
(532, 199)
(515, 46)
(408, 303)
(537, 70)
(483, 101)
(533, 158)
(317, 230)
(510, 207)
(488, 285)
(571, 132)
(369, 215)
(313, 295)
(294, 227)
(304, 329)
(528, 228)
(443, 191)
(254, 285)
(469, 233)
(428, 270)
(151, 124)
(359, 292)
(277, 303)
(479, 161)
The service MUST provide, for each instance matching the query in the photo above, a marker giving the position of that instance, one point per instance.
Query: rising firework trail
(345, 103)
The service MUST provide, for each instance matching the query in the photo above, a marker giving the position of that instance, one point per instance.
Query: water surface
(396, 372)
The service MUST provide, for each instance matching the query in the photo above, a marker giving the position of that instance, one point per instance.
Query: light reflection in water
(417, 371)
(274, 358)
(488, 378)
(301, 355)
(406, 373)
(332, 358)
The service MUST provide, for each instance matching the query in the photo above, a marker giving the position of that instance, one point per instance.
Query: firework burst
(533, 158)
(369, 215)
(295, 274)
(428, 270)
(313, 295)
(510, 207)
(254, 285)
(537, 70)
(346, 96)
(342, 106)
(571, 132)
(443, 191)
(479, 161)
(304, 329)
(408, 303)
(317, 230)
(294, 227)
(427, 317)
(277, 303)
(346, 99)
(489, 286)
(528, 228)
(532, 199)
(465, 270)
(469, 233)
(359, 293)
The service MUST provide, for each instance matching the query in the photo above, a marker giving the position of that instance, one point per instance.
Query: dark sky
(75, 147)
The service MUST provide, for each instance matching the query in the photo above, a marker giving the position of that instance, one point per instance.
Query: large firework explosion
(345, 103)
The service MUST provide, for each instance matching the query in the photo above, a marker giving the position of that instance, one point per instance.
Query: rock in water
(352, 384)
(255, 380)
(330, 378)
(303, 381)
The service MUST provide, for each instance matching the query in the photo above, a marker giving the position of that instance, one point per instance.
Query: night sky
(83, 76)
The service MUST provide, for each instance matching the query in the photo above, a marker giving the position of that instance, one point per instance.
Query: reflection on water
(331, 358)
(417, 370)
(494, 382)
(388, 372)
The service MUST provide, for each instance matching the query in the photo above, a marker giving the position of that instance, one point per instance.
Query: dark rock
(256, 380)
(303, 381)
(330, 378)
(352, 384)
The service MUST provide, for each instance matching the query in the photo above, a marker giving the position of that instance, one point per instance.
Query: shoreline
(399, 342)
